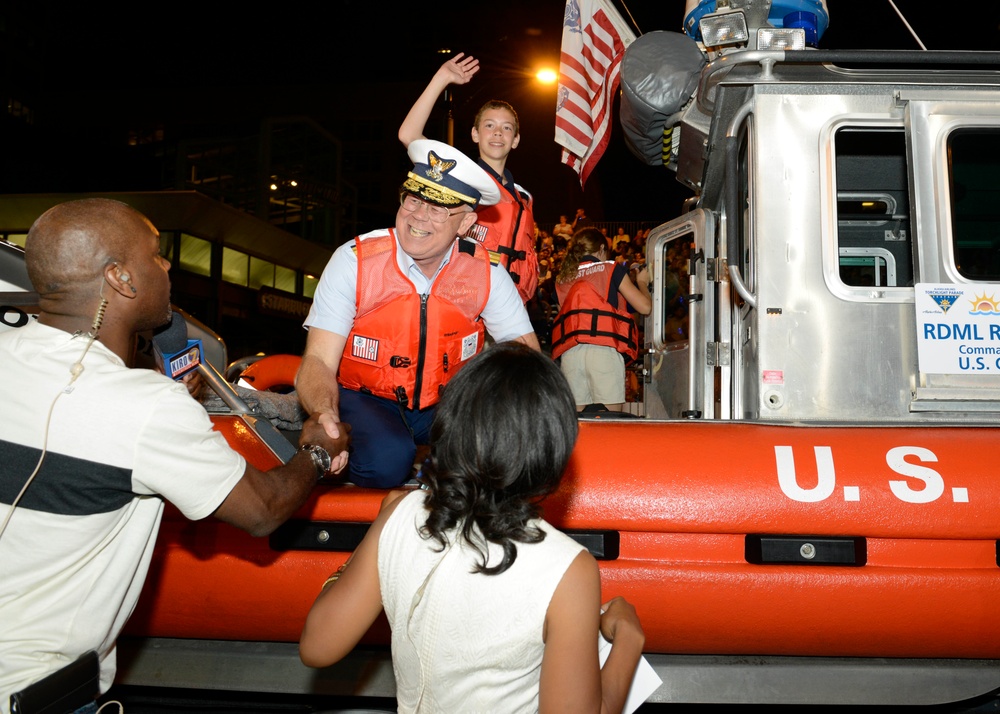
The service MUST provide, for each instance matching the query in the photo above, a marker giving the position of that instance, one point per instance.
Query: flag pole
(630, 17)
(449, 100)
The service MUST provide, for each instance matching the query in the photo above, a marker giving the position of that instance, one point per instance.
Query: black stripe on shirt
(64, 485)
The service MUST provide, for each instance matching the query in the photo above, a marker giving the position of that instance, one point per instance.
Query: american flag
(365, 348)
(593, 42)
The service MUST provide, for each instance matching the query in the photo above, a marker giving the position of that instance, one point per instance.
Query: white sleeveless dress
(462, 641)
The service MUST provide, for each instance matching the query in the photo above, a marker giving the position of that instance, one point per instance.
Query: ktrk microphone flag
(593, 42)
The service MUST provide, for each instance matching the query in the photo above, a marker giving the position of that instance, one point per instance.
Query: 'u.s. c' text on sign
(958, 328)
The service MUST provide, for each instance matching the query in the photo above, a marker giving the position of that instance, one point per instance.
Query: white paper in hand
(644, 683)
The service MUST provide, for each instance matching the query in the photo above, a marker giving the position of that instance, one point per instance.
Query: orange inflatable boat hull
(728, 537)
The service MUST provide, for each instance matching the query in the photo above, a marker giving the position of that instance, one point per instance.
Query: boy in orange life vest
(593, 335)
(508, 227)
(399, 311)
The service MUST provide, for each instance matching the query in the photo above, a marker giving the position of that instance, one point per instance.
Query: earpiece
(124, 277)
(77, 369)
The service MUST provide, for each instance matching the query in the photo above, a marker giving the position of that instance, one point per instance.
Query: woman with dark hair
(492, 609)
(594, 335)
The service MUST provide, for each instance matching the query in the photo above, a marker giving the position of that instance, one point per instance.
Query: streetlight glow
(547, 76)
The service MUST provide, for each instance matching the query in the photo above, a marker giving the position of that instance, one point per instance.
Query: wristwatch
(321, 459)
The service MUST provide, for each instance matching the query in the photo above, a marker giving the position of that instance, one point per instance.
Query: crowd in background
(626, 244)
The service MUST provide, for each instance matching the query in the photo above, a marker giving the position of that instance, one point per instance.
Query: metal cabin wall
(824, 354)
(934, 114)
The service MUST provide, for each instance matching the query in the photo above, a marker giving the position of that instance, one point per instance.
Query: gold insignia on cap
(434, 193)
(438, 166)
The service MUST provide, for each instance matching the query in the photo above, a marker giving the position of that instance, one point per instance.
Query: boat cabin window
(873, 208)
(974, 173)
(872, 267)
(674, 287)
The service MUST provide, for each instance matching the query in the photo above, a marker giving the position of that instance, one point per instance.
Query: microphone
(175, 354)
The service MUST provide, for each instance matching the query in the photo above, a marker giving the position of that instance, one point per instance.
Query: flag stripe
(594, 41)
(600, 52)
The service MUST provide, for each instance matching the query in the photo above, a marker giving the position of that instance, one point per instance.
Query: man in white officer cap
(399, 311)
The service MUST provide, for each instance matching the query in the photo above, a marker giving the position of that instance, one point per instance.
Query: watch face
(324, 458)
(320, 458)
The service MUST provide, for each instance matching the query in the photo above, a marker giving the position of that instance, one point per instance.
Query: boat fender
(659, 75)
(275, 373)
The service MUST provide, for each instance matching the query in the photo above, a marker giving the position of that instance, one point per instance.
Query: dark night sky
(198, 59)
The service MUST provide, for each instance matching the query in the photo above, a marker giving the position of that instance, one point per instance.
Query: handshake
(333, 437)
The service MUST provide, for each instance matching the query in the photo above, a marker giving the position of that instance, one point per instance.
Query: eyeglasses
(438, 214)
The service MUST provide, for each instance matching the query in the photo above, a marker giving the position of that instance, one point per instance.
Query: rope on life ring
(274, 372)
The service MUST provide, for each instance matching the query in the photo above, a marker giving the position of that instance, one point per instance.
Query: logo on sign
(982, 305)
(945, 299)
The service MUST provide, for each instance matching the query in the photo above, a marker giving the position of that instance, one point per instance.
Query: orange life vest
(508, 228)
(405, 346)
(586, 317)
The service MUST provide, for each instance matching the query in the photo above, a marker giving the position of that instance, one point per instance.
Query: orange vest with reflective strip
(405, 346)
(508, 229)
(586, 317)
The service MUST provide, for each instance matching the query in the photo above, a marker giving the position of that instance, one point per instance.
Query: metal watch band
(320, 457)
